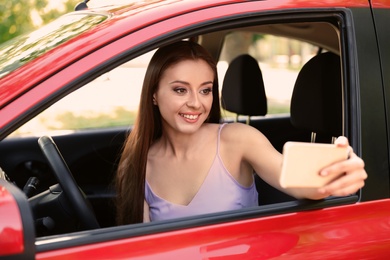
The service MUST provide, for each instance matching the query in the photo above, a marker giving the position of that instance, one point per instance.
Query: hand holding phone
(302, 163)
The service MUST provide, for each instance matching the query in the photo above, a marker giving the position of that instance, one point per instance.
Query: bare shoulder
(239, 132)
(242, 138)
(210, 127)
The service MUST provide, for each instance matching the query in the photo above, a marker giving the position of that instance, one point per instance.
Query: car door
(380, 12)
(372, 101)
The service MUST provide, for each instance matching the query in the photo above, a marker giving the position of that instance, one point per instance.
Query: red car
(323, 66)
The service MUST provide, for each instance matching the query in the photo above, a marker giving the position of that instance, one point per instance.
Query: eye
(206, 91)
(180, 90)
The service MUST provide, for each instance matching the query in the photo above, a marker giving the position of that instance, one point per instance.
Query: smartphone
(302, 163)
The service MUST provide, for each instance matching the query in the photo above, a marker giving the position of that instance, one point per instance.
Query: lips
(191, 117)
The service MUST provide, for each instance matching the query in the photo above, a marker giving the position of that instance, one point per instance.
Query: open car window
(111, 100)
(280, 60)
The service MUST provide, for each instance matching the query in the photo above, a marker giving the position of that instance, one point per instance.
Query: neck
(180, 144)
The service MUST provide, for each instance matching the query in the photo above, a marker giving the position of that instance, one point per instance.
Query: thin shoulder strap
(219, 135)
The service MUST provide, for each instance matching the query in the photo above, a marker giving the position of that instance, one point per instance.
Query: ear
(154, 99)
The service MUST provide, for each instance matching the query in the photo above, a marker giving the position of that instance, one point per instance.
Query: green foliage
(119, 117)
(275, 107)
(257, 37)
(52, 14)
(15, 18)
(16, 15)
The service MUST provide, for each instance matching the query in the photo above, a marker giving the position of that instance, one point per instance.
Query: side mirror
(17, 233)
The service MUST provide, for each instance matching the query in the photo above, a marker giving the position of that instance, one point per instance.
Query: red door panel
(358, 231)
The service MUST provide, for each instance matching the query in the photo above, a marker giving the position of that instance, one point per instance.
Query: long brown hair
(130, 178)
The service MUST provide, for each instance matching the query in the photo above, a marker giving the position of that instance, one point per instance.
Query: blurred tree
(16, 16)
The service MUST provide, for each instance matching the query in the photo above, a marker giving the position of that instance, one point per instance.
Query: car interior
(315, 114)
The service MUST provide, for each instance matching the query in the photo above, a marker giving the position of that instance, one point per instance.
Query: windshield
(22, 49)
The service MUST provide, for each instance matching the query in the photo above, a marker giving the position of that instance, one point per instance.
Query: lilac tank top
(219, 192)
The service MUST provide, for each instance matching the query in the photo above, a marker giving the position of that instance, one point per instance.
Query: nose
(194, 101)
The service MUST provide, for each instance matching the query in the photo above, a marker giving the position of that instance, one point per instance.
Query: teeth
(192, 117)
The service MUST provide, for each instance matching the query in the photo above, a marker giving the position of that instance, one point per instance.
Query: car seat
(243, 93)
(316, 102)
(243, 90)
(316, 106)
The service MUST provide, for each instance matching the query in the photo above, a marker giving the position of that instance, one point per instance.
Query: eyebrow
(186, 83)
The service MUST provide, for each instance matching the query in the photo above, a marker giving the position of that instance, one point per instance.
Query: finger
(343, 189)
(342, 141)
(346, 184)
(353, 163)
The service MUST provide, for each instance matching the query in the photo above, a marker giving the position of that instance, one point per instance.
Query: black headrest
(316, 103)
(243, 90)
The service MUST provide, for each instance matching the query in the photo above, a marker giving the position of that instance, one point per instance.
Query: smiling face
(184, 95)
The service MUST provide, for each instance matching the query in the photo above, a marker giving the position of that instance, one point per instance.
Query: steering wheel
(77, 199)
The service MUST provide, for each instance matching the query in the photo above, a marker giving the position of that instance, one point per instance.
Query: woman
(179, 161)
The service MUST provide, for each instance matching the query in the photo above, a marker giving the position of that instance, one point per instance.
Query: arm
(255, 149)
